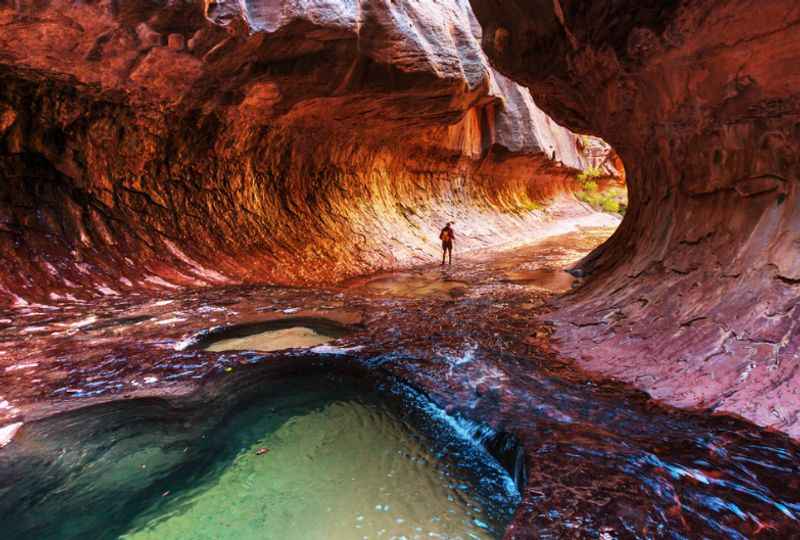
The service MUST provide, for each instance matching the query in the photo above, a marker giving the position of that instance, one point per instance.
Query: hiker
(447, 236)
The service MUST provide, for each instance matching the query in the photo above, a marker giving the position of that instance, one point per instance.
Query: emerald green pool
(320, 457)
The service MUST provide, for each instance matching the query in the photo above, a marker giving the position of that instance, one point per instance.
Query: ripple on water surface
(321, 459)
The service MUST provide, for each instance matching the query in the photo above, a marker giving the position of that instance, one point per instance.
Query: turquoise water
(316, 458)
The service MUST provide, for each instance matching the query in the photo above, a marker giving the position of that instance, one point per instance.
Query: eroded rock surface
(601, 460)
(695, 297)
(149, 146)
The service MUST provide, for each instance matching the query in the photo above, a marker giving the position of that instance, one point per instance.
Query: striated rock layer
(695, 297)
(148, 146)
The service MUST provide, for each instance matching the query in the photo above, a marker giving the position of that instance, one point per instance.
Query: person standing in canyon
(447, 236)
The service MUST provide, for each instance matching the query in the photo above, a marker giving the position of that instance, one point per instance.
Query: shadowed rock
(695, 296)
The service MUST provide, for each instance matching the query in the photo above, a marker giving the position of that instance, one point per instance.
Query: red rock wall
(695, 297)
(144, 147)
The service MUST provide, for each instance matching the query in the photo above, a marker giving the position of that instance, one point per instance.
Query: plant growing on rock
(602, 196)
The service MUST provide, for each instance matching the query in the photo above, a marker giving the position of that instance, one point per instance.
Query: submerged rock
(7, 433)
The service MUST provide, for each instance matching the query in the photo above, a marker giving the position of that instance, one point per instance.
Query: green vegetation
(531, 206)
(612, 199)
(588, 174)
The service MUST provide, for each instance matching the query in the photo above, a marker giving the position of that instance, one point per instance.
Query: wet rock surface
(600, 458)
(694, 298)
(112, 345)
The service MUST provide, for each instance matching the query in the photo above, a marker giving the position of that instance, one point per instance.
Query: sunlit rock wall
(148, 145)
(695, 297)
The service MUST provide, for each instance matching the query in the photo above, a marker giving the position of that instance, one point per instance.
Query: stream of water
(601, 460)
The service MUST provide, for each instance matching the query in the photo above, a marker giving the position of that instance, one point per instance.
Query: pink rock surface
(694, 298)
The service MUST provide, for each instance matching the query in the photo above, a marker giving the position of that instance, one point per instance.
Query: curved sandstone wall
(695, 297)
(147, 146)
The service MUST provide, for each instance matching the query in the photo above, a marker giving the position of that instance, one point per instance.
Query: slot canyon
(225, 310)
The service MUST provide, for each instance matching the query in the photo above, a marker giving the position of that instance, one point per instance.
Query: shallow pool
(272, 340)
(270, 335)
(319, 457)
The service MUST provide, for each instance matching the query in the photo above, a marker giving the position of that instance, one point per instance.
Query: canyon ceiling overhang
(696, 294)
(151, 145)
